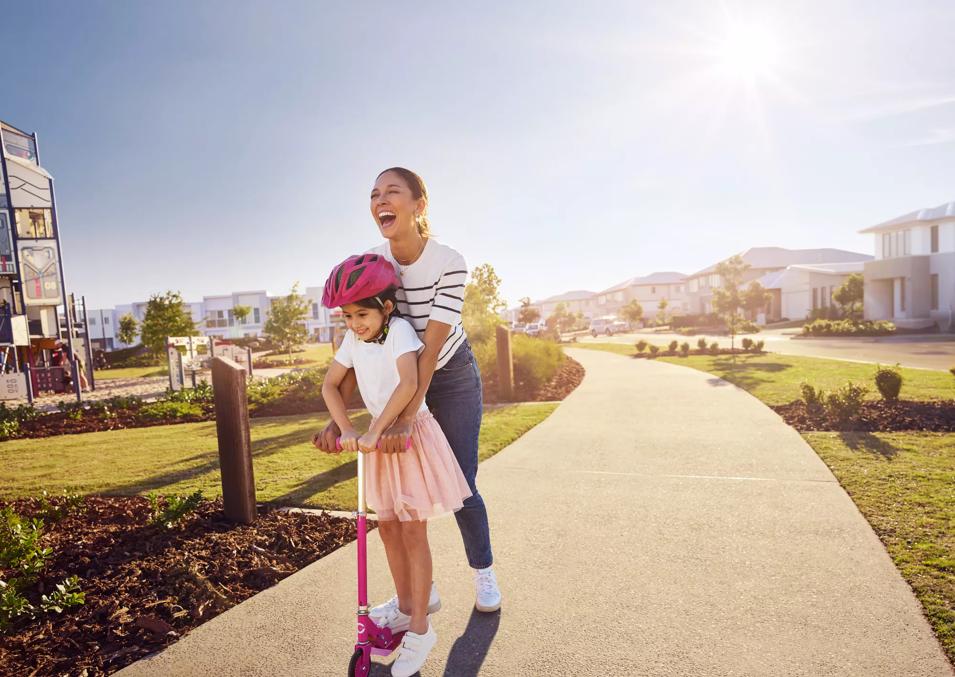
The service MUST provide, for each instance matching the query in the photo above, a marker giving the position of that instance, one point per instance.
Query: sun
(747, 52)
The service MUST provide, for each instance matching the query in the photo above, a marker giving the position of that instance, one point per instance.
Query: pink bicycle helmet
(358, 277)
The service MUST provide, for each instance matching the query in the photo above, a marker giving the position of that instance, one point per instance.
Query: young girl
(405, 489)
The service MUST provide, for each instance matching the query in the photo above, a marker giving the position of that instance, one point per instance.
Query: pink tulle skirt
(420, 483)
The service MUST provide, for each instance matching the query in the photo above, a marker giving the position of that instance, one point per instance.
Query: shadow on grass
(869, 443)
(316, 484)
(744, 372)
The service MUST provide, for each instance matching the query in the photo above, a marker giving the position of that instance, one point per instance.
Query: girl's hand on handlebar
(349, 441)
(369, 442)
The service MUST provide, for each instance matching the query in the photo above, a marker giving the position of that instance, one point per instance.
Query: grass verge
(129, 372)
(314, 354)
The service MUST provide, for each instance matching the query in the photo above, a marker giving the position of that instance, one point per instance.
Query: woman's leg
(391, 536)
(414, 535)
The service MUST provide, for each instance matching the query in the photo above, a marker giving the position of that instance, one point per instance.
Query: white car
(604, 325)
(534, 328)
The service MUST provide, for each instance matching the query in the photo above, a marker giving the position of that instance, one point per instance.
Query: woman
(431, 295)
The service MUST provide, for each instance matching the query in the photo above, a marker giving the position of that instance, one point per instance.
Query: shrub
(714, 348)
(843, 405)
(684, 349)
(701, 344)
(848, 328)
(535, 363)
(54, 512)
(165, 409)
(889, 382)
(814, 399)
(952, 371)
(9, 429)
(485, 353)
(176, 508)
(747, 344)
(21, 413)
(73, 410)
(201, 394)
(747, 327)
(672, 347)
(654, 350)
(759, 345)
(642, 345)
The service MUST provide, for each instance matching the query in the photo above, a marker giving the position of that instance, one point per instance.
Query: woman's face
(394, 207)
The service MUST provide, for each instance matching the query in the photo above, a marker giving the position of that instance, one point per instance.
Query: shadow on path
(470, 649)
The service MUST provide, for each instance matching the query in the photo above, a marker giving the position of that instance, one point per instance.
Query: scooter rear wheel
(353, 663)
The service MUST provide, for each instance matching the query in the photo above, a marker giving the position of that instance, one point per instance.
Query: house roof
(780, 257)
(667, 277)
(945, 211)
(776, 278)
(576, 295)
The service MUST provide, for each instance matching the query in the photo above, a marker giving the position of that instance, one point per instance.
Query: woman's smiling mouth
(386, 218)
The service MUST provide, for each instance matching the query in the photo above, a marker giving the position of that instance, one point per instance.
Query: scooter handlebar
(338, 443)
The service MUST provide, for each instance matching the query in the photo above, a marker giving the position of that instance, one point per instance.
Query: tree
(483, 304)
(528, 313)
(662, 317)
(166, 316)
(128, 329)
(632, 312)
(727, 300)
(285, 325)
(561, 319)
(850, 295)
(241, 313)
(755, 298)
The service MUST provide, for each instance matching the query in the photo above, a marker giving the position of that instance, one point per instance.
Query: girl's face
(365, 322)
(394, 207)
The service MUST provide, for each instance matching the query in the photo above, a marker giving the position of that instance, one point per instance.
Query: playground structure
(188, 355)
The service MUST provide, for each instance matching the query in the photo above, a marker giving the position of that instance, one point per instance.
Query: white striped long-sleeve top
(432, 288)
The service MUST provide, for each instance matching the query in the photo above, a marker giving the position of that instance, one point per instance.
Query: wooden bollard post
(505, 364)
(235, 445)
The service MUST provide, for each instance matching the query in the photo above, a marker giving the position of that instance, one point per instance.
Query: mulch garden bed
(58, 423)
(567, 378)
(147, 585)
(877, 416)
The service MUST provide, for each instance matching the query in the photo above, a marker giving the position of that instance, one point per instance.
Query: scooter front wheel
(353, 670)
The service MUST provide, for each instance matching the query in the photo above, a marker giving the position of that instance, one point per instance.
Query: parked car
(519, 328)
(603, 325)
(534, 328)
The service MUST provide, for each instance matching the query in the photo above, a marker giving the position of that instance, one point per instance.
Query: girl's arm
(407, 364)
(435, 334)
(325, 440)
(336, 406)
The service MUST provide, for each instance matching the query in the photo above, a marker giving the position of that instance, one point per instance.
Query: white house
(796, 291)
(912, 279)
(648, 291)
(578, 301)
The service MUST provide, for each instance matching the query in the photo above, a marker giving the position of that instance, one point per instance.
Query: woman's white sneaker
(380, 612)
(488, 594)
(414, 652)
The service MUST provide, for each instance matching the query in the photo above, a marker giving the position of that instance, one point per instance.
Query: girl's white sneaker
(414, 652)
(386, 609)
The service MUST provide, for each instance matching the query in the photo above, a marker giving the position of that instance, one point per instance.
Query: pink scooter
(372, 640)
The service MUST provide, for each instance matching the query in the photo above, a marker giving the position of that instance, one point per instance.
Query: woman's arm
(435, 334)
(404, 392)
(336, 406)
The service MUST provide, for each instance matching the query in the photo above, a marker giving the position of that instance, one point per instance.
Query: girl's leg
(414, 535)
(391, 536)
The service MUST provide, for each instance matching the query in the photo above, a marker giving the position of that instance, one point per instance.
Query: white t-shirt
(375, 364)
(432, 288)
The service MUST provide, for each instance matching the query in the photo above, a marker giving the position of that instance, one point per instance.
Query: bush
(747, 327)
(642, 345)
(759, 346)
(747, 344)
(201, 394)
(535, 363)
(9, 429)
(485, 353)
(952, 371)
(701, 344)
(654, 350)
(844, 404)
(684, 349)
(814, 399)
(176, 508)
(73, 410)
(714, 348)
(848, 328)
(164, 409)
(672, 347)
(889, 382)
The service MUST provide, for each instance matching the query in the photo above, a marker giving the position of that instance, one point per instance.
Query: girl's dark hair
(390, 294)
(418, 191)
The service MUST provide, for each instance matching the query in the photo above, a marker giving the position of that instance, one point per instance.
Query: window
(934, 294)
(217, 318)
(34, 223)
(314, 311)
(714, 281)
(6, 246)
(653, 290)
(231, 316)
(106, 320)
(19, 145)
(906, 241)
(255, 315)
(618, 296)
(902, 294)
(693, 285)
(934, 248)
(815, 298)
(886, 245)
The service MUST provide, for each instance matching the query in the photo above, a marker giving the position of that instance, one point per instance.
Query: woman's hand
(325, 439)
(394, 439)
(369, 441)
(349, 441)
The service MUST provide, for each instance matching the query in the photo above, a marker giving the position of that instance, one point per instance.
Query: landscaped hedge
(848, 328)
(536, 362)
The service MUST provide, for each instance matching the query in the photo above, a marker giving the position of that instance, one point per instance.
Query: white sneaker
(394, 619)
(488, 594)
(414, 652)
(383, 610)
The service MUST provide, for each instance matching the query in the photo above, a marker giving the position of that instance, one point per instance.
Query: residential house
(912, 279)
(648, 291)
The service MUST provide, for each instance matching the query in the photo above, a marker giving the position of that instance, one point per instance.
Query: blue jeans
(456, 399)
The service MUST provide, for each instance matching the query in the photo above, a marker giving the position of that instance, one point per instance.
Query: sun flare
(748, 53)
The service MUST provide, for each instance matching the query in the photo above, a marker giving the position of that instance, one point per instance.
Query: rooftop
(944, 211)
(577, 295)
(667, 277)
(780, 257)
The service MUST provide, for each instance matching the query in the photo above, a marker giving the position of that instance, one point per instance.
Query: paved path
(936, 352)
(660, 522)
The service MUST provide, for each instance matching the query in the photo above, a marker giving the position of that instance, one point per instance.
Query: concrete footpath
(660, 522)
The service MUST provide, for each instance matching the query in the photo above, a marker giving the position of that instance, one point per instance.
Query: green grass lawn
(130, 372)
(316, 355)
(775, 378)
(183, 458)
(904, 484)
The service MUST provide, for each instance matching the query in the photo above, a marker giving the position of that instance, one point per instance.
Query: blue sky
(219, 146)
